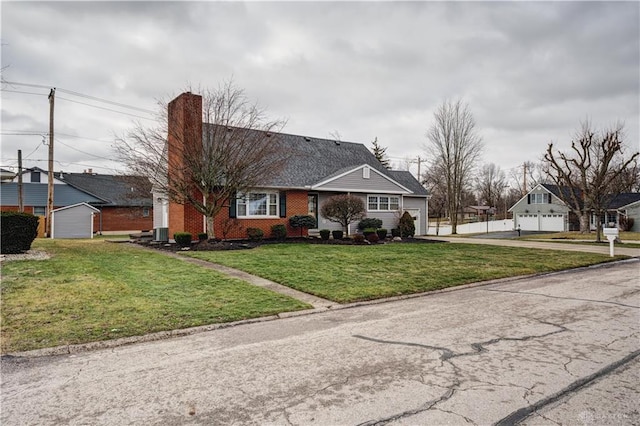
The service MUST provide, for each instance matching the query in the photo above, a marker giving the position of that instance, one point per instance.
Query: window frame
(271, 207)
(391, 200)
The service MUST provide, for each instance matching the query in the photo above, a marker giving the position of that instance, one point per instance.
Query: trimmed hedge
(337, 235)
(406, 225)
(370, 222)
(183, 239)
(303, 222)
(325, 234)
(255, 234)
(279, 232)
(17, 232)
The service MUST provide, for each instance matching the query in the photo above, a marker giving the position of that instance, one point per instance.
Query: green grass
(354, 273)
(92, 290)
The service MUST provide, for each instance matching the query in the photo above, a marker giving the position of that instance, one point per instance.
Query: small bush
(302, 222)
(279, 232)
(183, 239)
(358, 238)
(370, 222)
(382, 233)
(626, 223)
(373, 238)
(395, 232)
(17, 232)
(325, 234)
(202, 236)
(255, 234)
(337, 235)
(368, 231)
(407, 226)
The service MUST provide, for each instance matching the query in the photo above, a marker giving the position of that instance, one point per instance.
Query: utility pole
(20, 199)
(52, 99)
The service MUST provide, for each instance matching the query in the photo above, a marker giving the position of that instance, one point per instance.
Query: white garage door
(528, 222)
(552, 222)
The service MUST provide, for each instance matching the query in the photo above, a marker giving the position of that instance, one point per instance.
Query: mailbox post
(611, 234)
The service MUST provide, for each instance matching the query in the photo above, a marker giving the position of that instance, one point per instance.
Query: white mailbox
(612, 235)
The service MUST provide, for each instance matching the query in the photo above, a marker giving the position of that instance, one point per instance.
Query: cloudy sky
(530, 71)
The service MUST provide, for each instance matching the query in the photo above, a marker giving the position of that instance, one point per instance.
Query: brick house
(123, 207)
(319, 169)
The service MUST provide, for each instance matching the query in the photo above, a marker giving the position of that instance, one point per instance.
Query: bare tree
(226, 149)
(587, 174)
(380, 153)
(455, 147)
(525, 178)
(490, 185)
(343, 209)
(435, 182)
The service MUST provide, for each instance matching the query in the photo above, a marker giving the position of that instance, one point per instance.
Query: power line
(65, 164)
(83, 152)
(25, 93)
(103, 108)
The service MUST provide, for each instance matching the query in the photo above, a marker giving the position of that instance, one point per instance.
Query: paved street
(565, 344)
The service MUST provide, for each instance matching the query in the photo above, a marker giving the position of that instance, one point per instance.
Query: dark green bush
(395, 232)
(183, 239)
(337, 235)
(279, 232)
(255, 234)
(325, 234)
(407, 226)
(373, 238)
(202, 236)
(17, 232)
(370, 222)
(358, 238)
(302, 222)
(382, 233)
(368, 231)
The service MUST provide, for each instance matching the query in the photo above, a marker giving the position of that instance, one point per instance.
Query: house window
(539, 198)
(39, 211)
(366, 173)
(35, 177)
(145, 212)
(383, 203)
(258, 204)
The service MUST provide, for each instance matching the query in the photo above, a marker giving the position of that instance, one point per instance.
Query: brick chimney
(185, 134)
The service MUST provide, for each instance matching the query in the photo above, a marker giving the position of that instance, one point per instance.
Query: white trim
(75, 205)
(259, 191)
(326, 181)
(553, 197)
(378, 196)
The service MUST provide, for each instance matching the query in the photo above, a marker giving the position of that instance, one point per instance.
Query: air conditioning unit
(161, 234)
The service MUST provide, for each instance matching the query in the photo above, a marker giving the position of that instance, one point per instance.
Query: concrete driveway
(561, 347)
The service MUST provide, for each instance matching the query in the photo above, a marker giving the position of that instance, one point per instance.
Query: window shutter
(549, 198)
(232, 207)
(528, 198)
(283, 204)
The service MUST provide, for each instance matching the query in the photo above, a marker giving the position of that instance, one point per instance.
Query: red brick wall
(237, 228)
(123, 219)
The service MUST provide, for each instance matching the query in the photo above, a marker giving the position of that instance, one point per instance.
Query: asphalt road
(555, 348)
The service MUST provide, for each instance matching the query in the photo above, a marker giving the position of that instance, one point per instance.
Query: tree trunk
(584, 223)
(211, 232)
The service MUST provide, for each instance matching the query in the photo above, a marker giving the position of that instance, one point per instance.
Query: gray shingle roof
(116, 190)
(35, 194)
(314, 160)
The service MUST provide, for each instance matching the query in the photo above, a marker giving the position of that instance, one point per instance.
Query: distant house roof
(314, 160)
(623, 200)
(116, 190)
(36, 194)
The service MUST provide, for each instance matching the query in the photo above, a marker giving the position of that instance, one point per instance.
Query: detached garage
(541, 222)
(75, 221)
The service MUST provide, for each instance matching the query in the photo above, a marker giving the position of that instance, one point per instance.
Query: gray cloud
(530, 71)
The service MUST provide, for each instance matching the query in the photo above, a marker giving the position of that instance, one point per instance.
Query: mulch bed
(213, 245)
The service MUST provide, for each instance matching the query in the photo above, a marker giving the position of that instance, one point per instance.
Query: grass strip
(355, 273)
(91, 290)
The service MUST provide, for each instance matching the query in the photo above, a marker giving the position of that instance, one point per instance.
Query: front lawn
(576, 235)
(93, 290)
(353, 273)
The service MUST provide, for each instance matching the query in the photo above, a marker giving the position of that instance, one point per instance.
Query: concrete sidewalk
(588, 248)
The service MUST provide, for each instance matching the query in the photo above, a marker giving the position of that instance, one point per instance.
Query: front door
(312, 201)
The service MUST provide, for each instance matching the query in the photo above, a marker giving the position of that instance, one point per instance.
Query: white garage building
(541, 210)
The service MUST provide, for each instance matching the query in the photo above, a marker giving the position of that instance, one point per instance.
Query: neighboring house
(319, 169)
(475, 213)
(542, 209)
(127, 204)
(75, 221)
(122, 208)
